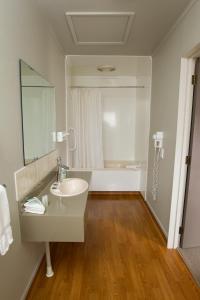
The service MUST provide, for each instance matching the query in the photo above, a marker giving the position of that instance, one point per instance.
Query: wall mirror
(38, 114)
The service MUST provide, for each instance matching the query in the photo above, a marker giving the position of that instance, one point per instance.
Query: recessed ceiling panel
(100, 28)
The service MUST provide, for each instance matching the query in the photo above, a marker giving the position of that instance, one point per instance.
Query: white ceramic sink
(69, 187)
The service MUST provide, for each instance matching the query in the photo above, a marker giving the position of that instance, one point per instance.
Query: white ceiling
(153, 19)
(125, 65)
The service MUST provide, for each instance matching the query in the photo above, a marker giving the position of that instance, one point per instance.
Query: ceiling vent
(100, 28)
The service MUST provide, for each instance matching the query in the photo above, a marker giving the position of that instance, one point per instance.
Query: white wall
(164, 109)
(121, 118)
(24, 34)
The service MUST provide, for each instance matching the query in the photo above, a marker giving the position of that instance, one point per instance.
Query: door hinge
(180, 230)
(194, 79)
(188, 160)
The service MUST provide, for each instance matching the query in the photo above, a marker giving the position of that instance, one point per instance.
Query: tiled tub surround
(31, 175)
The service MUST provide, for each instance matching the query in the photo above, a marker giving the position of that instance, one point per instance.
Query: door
(191, 216)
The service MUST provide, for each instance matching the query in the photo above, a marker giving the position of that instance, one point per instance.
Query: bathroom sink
(69, 187)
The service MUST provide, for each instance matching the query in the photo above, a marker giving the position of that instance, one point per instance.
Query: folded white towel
(6, 237)
(34, 211)
(34, 206)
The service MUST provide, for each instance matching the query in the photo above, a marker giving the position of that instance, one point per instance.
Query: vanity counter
(63, 220)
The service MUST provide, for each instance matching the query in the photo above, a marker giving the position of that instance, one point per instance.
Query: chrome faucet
(62, 170)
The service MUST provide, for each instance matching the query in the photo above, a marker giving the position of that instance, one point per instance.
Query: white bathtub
(120, 176)
(116, 180)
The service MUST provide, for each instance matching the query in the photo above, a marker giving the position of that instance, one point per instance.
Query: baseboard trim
(25, 293)
(113, 195)
(155, 218)
(115, 192)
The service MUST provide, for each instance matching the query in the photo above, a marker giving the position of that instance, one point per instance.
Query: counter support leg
(49, 272)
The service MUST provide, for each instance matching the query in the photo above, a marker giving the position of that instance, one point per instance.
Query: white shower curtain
(85, 115)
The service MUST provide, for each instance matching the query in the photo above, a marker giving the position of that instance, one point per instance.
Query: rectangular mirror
(38, 114)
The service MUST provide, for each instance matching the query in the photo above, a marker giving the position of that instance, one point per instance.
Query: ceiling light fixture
(106, 68)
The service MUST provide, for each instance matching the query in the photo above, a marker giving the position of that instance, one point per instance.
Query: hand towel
(34, 206)
(34, 211)
(6, 237)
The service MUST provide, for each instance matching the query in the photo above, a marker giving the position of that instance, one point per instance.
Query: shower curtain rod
(110, 87)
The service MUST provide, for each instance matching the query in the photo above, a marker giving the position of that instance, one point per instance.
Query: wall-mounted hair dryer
(158, 139)
(158, 142)
(61, 136)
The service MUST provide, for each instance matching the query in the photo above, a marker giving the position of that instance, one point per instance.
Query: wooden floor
(124, 257)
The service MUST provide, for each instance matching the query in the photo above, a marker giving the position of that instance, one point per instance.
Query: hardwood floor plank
(124, 257)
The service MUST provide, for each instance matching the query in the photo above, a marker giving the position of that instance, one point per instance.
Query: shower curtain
(85, 115)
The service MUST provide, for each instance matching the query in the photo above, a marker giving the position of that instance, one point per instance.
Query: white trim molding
(181, 151)
(130, 16)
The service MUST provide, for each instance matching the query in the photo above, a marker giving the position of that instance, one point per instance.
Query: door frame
(182, 145)
(190, 153)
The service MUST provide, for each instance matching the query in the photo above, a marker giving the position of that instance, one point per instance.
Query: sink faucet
(62, 170)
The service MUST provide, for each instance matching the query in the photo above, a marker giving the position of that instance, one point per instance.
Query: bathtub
(116, 180)
(119, 176)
